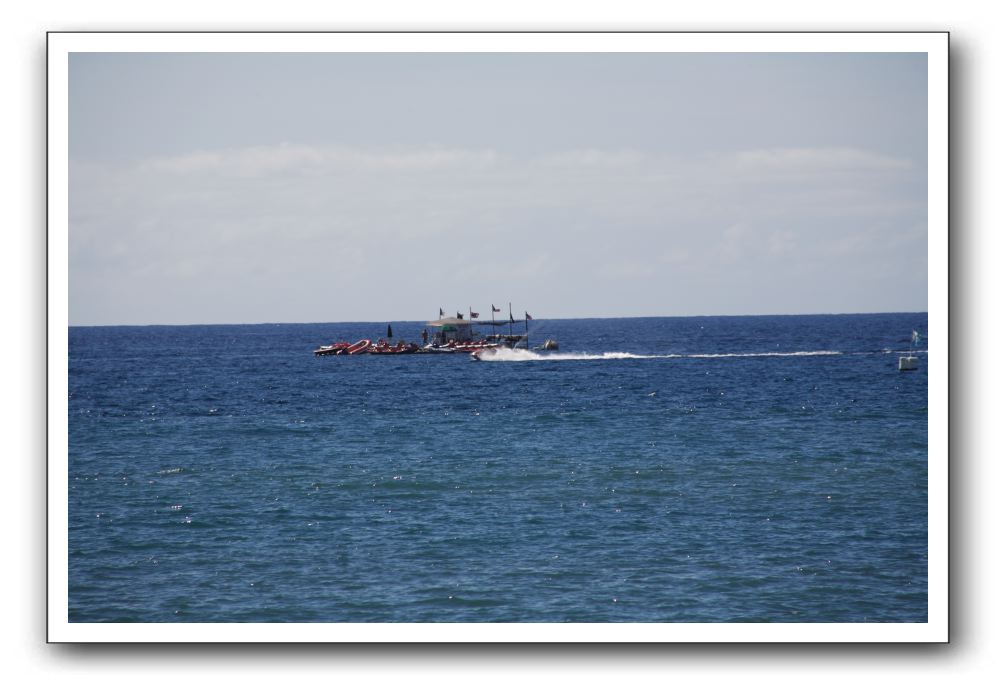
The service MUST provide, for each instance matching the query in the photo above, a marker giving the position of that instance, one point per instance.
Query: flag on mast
(528, 318)
(440, 312)
(494, 309)
(474, 315)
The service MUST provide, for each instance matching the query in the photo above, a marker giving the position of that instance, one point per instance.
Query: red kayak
(383, 347)
(358, 347)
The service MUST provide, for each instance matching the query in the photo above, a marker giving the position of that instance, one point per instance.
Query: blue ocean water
(704, 469)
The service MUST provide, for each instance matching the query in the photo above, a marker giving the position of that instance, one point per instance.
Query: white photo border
(934, 44)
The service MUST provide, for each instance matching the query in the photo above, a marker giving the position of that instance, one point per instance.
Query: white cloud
(592, 159)
(816, 159)
(252, 220)
(264, 161)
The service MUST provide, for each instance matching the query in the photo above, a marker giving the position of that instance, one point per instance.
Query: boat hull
(908, 363)
(358, 347)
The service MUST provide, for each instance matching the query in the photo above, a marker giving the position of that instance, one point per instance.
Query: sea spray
(526, 355)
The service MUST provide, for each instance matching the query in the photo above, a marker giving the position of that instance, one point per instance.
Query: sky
(278, 188)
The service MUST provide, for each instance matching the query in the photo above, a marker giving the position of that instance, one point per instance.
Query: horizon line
(564, 318)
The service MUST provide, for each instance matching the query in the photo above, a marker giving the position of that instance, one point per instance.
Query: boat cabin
(450, 328)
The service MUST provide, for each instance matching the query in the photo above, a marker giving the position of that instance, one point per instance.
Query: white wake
(526, 355)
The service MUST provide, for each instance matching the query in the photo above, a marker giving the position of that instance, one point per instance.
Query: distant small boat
(910, 362)
(490, 351)
(358, 347)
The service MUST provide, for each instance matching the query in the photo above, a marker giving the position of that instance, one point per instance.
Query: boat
(358, 347)
(438, 349)
(332, 350)
(451, 335)
(910, 362)
(469, 347)
(384, 347)
(454, 334)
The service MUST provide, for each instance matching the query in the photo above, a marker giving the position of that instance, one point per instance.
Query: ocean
(700, 469)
